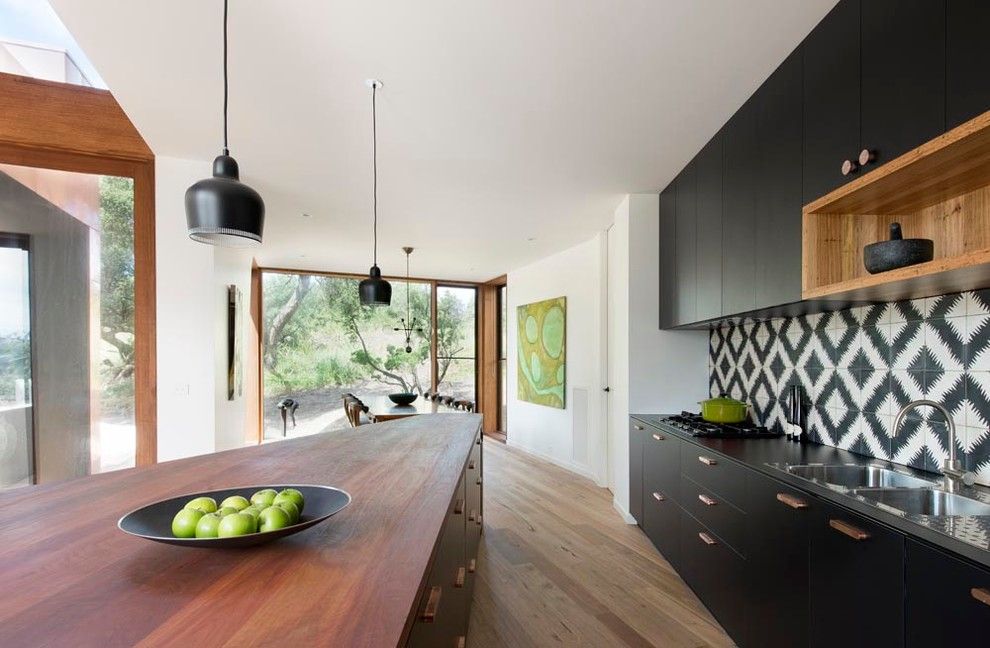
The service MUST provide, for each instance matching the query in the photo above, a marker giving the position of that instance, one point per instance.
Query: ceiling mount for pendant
(222, 210)
(375, 291)
(409, 323)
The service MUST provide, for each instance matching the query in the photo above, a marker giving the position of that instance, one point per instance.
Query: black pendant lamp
(410, 324)
(374, 290)
(222, 210)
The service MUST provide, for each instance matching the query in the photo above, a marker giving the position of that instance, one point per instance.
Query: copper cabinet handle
(472, 516)
(866, 156)
(659, 437)
(792, 501)
(658, 497)
(472, 566)
(707, 539)
(981, 594)
(845, 528)
(848, 167)
(637, 427)
(461, 642)
(430, 611)
(707, 501)
(458, 507)
(459, 580)
(471, 465)
(708, 461)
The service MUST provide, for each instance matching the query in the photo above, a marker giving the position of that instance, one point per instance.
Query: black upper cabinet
(903, 75)
(831, 99)
(686, 246)
(778, 196)
(668, 275)
(967, 92)
(948, 601)
(740, 156)
(708, 167)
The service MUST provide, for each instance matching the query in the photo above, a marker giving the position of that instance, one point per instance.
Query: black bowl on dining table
(402, 398)
(154, 521)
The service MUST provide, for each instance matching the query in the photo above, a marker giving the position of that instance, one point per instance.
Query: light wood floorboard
(559, 567)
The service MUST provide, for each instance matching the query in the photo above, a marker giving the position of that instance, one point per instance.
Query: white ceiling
(508, 129)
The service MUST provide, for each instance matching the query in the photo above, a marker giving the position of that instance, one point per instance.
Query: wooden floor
(558, 567)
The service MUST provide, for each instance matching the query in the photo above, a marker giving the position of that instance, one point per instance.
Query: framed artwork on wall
(541, 342)
(235, 343)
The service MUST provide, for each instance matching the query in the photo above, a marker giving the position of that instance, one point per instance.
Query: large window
(319, 343)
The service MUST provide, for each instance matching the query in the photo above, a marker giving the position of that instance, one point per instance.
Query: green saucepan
(723, 410)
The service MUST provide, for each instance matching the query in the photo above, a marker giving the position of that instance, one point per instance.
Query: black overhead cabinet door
(903, 75)
(686, 247)
(740, 161)
(967, 91)
(668, 276)
(708, 167)
(831, 100)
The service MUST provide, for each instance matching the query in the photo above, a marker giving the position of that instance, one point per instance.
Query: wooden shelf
(940, 190)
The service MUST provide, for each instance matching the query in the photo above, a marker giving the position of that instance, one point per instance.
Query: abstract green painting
(542, 341)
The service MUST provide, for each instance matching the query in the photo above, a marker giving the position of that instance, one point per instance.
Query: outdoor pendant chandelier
(222, 210)
(409, 323)
(374, 290)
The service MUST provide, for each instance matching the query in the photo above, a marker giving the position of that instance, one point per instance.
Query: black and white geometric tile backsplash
(859, 366)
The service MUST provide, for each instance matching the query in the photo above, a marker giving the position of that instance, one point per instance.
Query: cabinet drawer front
(716, 513)
(661, 523)
(637, 434)
(716, 573)
(718, 475)
(661, 463)
(944, 588)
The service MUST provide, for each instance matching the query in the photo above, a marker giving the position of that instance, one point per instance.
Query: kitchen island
(394, 568)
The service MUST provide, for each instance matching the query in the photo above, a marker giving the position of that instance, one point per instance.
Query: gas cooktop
(697, 426)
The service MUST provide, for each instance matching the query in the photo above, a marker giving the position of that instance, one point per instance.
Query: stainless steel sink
(853, 476)
(925, 501)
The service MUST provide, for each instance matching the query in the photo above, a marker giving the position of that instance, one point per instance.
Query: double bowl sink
(891, 489)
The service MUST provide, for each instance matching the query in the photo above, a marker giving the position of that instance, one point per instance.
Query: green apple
(208, 525)
(289, 507)
(264, 497)
(237, 524)
(274, 517)
(185, 521)
(294, 495)
(224, 511)
(204, 504)
(238, 502)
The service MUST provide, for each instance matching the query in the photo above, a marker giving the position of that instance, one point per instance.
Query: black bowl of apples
(235, 517)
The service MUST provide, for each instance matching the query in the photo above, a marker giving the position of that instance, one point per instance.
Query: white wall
(194, 415)
(618, 356)
(571, 437)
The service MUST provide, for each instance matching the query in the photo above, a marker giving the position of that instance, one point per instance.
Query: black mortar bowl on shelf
(898, 252)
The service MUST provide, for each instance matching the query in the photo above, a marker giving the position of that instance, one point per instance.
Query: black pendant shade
(224, 211)
(374, 290)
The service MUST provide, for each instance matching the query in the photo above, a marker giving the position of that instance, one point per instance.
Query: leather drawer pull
(458, 507)
(459, 580)
(472, 516)
(471, 465)
(461, 642)
(981, 594)
(847, 529)
(707, 539)
(792, 501)
(637, 427)
(658, 497)
(707, 501)
(472, 566)
(432, 603)
(708, 461)
(659, 437)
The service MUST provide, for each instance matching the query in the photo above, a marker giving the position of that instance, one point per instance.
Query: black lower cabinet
(716, 573)
(636, 433)
(662, 525)
(948, 601)
(857, 581)
(778, 521)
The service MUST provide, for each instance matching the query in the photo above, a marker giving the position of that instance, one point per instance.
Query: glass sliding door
(67, 320)
(503, 343)
(456, 342)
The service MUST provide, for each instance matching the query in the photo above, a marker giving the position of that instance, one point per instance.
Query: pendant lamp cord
(374, 166)
(226, 151)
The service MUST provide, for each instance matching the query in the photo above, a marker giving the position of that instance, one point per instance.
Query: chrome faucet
(952, 470)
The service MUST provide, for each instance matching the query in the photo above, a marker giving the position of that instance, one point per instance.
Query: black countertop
(967, 536)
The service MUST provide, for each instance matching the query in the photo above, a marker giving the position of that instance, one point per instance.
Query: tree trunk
(274, 331)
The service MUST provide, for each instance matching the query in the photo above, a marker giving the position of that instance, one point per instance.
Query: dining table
(381, 409)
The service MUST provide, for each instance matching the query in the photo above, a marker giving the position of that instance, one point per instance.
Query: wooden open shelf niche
(940, 190)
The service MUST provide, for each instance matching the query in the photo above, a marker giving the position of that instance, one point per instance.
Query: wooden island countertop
(72, 578)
